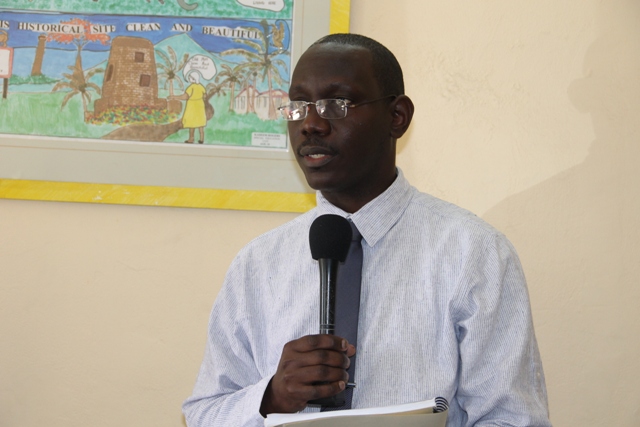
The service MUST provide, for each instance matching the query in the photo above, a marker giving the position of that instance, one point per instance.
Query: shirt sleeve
(501, 382)
(229, 388)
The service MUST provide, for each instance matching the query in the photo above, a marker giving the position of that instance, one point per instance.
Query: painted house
(250, 100)
(245, 100)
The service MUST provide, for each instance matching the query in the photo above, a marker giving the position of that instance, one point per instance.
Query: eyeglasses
(326, 108)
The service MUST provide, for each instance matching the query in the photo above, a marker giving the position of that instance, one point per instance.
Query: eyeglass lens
(326, 108)
(331, 108)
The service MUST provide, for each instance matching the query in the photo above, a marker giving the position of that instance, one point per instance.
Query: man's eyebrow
(296, 87)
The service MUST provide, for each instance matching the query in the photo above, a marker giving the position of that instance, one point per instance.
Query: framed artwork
(154, 102)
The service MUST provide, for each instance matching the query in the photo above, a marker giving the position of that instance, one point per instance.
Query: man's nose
(313, 123)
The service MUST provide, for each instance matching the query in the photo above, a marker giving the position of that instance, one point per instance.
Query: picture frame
(34, 167)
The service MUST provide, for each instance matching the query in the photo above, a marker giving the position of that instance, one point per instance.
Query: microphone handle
(328, 279)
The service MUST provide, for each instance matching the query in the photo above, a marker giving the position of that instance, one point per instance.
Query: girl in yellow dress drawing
(194, 113)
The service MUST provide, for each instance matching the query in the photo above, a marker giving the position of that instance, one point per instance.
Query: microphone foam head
(330, 237)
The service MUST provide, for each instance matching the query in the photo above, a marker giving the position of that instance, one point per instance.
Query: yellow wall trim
(156, 196)
(339, 20)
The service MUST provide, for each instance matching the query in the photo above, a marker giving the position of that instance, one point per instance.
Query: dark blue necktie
(348, 305)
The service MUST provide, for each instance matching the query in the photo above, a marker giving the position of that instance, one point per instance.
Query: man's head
(351, 160)
(385, 65)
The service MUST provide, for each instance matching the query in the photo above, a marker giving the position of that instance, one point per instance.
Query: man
(444, 309)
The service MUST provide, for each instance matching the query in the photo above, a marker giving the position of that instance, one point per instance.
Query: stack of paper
(428, 413)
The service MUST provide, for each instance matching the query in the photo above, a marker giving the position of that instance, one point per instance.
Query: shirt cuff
(253, 400)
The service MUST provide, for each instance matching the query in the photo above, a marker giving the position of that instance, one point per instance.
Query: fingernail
(344, 344)
(342, 385)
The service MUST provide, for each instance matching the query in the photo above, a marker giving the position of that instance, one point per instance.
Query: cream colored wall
(527, 113)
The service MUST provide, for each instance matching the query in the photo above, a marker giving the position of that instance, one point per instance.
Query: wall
(527, 114)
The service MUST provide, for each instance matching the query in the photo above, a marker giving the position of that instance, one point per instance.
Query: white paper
(274, 420)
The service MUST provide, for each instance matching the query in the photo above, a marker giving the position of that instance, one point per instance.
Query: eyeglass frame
(347, 105)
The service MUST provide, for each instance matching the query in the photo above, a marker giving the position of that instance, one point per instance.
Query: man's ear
(402, 113)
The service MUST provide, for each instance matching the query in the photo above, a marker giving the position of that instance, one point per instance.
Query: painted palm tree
(214, 89)
(248, 87)
(252, 81)
(261, 57)
(231, 77)
(78, 84)
(171, 68)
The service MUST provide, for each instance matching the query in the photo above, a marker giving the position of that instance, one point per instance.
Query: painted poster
(162, 71)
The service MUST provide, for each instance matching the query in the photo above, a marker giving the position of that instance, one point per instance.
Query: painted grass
(40, 114)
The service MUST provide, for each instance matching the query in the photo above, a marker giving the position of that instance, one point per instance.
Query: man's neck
(352, 203)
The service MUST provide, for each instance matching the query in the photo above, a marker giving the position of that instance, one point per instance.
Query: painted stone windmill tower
(131, 78)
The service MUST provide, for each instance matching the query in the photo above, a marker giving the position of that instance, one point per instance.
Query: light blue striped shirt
(444, 312)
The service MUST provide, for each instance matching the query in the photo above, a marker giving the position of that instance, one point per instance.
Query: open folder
(427, 413)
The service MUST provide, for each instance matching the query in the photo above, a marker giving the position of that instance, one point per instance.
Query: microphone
(329, 240)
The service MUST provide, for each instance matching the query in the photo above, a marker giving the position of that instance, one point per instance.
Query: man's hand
(311, 367)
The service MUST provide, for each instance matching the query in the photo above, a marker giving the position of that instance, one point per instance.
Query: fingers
(311, 367)
(316, 342)
(291, 389)
(315, 350)
(312, 375)
(311, 343)
(288, 396)
(351, 350)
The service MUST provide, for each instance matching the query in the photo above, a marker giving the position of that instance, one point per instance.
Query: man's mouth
(313, 150)
(315, 155)
(317, 160)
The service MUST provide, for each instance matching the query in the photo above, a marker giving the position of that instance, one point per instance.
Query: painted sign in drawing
(210, 73)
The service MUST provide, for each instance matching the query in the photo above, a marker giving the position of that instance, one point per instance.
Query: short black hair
(385, 65)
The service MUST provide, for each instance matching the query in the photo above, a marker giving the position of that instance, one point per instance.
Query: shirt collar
(378, 216)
